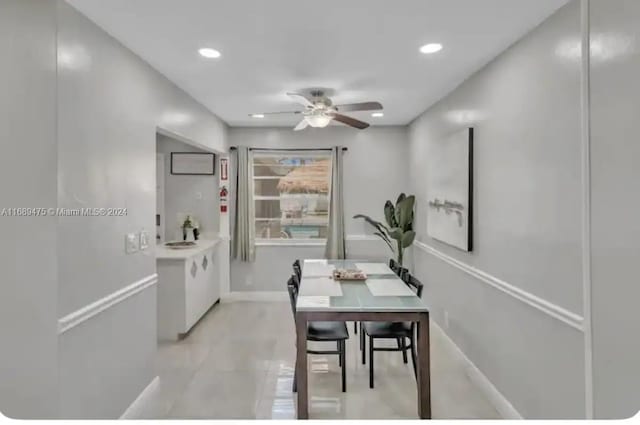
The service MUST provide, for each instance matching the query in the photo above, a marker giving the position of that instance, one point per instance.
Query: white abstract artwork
(450, 190)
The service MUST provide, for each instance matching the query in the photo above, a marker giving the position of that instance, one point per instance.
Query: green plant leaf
(385, 239)
(404, 211)
(384, 236)
(369, 220)
(378, 226)
(389, 214)
(408, 238)
(395, 233)
(401, 199)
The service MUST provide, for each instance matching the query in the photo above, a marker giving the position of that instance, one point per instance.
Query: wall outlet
(446, 319)
(131, 243)
(144, 240)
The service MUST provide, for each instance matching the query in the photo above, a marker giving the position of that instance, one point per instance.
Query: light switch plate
(144, 240)
(131, 243)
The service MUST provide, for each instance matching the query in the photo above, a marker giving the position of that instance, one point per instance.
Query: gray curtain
(336, 247)
(243, 234)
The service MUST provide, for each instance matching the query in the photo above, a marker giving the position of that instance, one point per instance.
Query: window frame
(289, 153)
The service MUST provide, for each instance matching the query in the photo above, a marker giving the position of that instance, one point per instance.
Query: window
(291, 194)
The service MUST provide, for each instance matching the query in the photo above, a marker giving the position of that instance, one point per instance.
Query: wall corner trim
(138, 405)
(585, 141)
(568, 317)
(495, 397)
(87, 312)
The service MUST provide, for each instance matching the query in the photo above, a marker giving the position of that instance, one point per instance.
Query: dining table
(382, 296)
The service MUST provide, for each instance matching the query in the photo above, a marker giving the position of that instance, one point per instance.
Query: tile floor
(237, 363)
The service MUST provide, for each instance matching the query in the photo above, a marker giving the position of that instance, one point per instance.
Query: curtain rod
(233, 148)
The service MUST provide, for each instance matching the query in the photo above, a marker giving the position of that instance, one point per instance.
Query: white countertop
(164, 253)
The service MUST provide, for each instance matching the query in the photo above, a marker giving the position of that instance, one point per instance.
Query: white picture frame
(450, 190)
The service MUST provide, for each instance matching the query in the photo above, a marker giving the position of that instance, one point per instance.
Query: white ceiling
(363, 49)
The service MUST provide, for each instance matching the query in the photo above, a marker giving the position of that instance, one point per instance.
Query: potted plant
(190, 224)
(399, 227)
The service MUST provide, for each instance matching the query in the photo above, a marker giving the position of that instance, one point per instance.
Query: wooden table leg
(301, 365)
(424, 372)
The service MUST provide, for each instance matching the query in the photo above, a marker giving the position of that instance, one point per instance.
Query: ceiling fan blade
(360, 125)
(301, 125)
(298, 98)
(277, 113)
(364, 106)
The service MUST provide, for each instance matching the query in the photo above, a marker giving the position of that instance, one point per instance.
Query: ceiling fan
(319, 111)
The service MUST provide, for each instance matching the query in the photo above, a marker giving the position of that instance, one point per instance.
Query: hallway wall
(615, 206)
(110, 104)
(514, 305)
(28, 170)
(79, 114)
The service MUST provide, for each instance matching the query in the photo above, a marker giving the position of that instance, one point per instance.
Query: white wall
(615, 206)
(195, 195)
(514, 305)
(375, 169)
(110, 104)
(28, 170)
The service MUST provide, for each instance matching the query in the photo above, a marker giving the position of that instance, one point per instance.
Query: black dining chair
(400, 272)
(297, 273)
(322, 331)
(297, 269)
(295, 280)
(400, 331)
(397, 268)
(393, 265)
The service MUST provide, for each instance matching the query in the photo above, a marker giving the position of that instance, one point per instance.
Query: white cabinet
(188, 286)
(201, 287)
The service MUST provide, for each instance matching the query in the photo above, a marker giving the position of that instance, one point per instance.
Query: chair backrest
(410, 280)
(396, 267)
(297, 269)
(293, 295)
(294, 280)
(402, 272)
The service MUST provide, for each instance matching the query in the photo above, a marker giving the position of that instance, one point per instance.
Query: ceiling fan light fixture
(377, 114)
(257, 115)
(319, 111)
(318, 120)
(431, 48)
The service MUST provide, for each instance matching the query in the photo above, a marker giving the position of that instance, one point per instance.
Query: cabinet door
(208, 268)
(195, 291)
(200, 290)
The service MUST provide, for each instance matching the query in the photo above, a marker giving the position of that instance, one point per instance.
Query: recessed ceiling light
(431, 48)
(209, 53)
(377, 114)
(257, 115)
